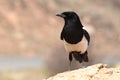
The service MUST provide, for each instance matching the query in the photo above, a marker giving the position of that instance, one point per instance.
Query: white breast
(81, 46)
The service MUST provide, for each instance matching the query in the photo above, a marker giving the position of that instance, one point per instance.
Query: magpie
(76, 39)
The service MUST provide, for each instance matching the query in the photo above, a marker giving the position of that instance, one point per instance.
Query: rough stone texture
(94, 72)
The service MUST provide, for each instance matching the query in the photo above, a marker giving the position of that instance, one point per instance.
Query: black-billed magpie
(76, 39)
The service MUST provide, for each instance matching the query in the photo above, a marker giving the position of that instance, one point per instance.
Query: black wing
(87, 36)
(62, 35)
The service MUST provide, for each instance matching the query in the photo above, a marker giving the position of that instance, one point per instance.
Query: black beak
(61, 15)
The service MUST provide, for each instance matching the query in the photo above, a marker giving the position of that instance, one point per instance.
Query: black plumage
(76, 39)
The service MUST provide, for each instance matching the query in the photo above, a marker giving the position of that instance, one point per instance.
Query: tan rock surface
(94, 72)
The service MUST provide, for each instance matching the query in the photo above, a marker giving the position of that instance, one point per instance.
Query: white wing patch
(81, 46)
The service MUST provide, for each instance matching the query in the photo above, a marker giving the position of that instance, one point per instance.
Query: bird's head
(70, 15)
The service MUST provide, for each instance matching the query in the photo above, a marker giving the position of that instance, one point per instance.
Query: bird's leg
(85, 59)
(70, 59)
(85, 56)
(83, 65)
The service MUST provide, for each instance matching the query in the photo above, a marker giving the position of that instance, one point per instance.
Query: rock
(94, 72)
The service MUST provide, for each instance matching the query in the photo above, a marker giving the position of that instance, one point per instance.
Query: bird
(75, 38)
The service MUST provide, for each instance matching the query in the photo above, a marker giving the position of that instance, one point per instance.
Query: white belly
(81, 46)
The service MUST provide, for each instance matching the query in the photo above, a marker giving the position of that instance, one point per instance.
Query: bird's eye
(70, 15)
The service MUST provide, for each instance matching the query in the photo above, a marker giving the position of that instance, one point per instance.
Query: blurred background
(30, 45)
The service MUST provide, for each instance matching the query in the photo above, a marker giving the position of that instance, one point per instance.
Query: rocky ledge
(94, 72)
